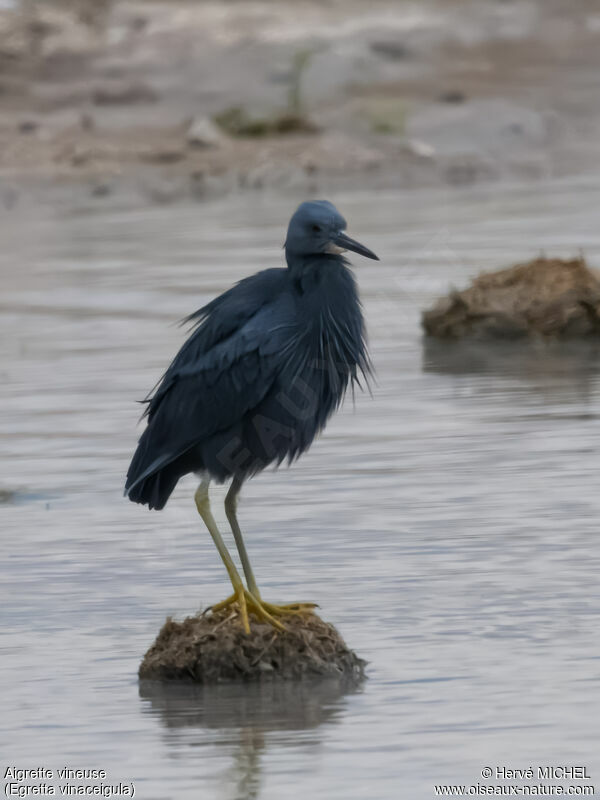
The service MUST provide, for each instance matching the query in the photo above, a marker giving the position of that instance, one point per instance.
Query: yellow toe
(247, 602)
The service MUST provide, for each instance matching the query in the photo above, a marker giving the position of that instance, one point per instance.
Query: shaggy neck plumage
(305, 269)
(332, 313)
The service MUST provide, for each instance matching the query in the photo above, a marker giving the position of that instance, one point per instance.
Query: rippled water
(448, 525)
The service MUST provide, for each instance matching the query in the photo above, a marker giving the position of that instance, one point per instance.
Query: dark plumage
(266, 365)
(268, 362)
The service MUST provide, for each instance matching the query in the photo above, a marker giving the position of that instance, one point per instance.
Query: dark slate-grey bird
(266, 365)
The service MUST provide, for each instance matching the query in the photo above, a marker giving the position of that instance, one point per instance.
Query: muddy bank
(545, 297)
(181, 98)
(213, 648)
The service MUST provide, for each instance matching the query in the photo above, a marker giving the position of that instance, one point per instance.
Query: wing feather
(220, 373)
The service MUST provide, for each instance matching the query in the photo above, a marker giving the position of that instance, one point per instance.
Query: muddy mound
(213, 648)
(544, 297)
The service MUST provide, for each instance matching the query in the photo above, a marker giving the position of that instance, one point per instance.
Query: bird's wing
(217, 321)
(201, 396)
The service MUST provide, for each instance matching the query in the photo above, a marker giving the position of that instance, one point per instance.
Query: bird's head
(318, 228)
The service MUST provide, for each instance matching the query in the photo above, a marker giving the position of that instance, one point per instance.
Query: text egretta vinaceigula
(266, 365)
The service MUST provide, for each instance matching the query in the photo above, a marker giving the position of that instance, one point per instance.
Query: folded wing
(223, 371)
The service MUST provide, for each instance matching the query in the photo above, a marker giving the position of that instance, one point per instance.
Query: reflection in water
(530, 360)
(250, 712)
(565, 371)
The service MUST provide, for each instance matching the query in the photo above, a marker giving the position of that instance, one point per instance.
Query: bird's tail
(155, 490)
(150, 480)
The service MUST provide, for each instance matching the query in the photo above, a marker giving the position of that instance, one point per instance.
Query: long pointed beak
(346, 243)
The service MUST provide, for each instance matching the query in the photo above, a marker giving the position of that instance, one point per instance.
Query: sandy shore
(382, 94)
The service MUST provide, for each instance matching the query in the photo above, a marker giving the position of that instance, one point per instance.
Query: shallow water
(448, 525)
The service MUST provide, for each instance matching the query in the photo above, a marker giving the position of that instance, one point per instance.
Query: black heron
(266, 365)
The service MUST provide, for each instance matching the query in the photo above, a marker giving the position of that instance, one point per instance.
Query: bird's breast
(330, 351)
(319, 347)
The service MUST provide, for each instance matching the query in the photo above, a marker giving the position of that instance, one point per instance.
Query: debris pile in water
(213, 648)
(544, 297)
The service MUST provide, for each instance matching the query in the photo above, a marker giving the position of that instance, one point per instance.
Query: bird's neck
(306, 271)
(332, 327)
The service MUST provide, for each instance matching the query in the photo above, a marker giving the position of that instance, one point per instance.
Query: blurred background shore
(179, 98)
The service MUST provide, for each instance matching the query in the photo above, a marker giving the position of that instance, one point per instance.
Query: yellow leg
(203, 506)
(231, 511)
(240, 595)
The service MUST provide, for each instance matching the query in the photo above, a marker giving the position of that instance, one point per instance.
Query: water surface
(448, 525)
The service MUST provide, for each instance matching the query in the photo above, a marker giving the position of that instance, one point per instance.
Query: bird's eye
(316, 228)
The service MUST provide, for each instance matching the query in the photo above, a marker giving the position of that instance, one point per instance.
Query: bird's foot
(289, 608)
(248, 602)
